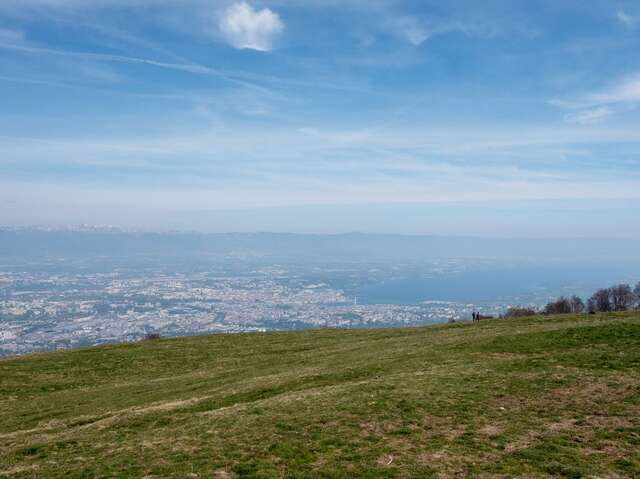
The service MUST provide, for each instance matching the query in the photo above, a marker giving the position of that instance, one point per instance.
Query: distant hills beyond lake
(28, 243)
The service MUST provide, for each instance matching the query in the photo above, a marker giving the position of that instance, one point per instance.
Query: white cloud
(626, 19)
(589, 117)
(409, 29)
(244, 27)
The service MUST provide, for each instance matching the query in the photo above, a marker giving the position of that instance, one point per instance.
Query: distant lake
(502, 283)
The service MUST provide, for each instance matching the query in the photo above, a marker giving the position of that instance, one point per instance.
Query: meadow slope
(532, 397)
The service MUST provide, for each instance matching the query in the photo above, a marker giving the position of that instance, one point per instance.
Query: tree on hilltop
(519, 312)
(563, 305)
(616, 298)
(560, 306)
(577, 305)
(622, 297)
(600, 301)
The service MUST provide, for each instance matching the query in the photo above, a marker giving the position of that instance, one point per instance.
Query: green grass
(532, 397)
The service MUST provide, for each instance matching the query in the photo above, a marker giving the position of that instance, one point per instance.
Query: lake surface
(508, 283)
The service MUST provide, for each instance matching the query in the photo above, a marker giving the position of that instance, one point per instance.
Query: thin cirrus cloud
(416, 29)
(603, 104)
(625, 91)
(589, 117)
(246, 28)
(192, 68)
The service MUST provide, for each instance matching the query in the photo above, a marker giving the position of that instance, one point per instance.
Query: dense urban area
(50, 308)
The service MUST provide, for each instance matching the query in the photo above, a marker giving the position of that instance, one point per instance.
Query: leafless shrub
(519, 312)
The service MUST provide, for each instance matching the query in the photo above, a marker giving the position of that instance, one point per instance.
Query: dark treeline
(620, 297)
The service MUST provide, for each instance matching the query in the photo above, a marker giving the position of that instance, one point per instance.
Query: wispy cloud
(409, 29)
(599, 105)
(243, 27)
(417, 29)
(258, 82)
(626, 90)
(589, 117)
(184, 67)
(224, 167)
(410, 150)
(626, 19)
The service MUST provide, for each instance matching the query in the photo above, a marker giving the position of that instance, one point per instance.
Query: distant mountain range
(111, 242)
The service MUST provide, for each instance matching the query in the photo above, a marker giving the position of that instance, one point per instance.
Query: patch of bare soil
(522, 442)
(491, 430)
(19, 470)
(222, 474)
(379, 428)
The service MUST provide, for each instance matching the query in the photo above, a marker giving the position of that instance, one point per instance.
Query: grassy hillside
(536, 397)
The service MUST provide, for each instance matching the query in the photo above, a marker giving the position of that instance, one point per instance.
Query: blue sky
(503, 118)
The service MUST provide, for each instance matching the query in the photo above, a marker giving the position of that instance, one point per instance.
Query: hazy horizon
(518, 220)
(111, 228)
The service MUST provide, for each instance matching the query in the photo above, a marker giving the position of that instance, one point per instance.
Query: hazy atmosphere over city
(499, 118)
